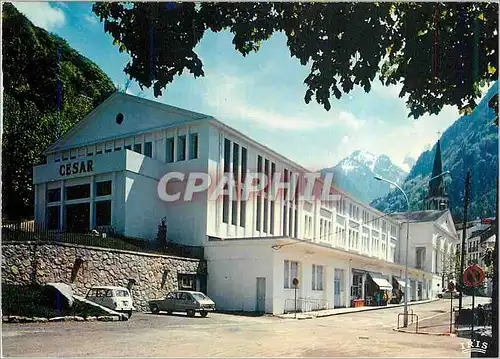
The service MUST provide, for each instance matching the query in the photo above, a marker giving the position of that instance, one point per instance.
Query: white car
(115, 298)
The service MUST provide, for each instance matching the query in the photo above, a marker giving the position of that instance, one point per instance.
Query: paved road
(219, 335)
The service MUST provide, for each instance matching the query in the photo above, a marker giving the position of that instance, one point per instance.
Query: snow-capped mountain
(354, 174)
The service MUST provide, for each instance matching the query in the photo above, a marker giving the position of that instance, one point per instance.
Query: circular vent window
(119, 118)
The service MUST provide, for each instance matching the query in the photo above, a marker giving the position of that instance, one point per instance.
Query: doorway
(337, 287)
(78, 217)
(260, 306)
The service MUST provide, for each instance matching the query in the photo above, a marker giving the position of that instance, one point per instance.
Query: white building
(432, 245)
(105, 172)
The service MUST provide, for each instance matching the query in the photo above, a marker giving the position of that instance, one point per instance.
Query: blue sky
(262, 94)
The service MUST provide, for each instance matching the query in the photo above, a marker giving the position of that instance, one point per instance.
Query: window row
(77, 216)
(81, 191)
(145, 148)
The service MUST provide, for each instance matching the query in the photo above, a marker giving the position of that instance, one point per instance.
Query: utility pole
(493, 347)
(464, 235)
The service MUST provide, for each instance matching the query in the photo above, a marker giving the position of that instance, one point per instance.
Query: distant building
(437, 198)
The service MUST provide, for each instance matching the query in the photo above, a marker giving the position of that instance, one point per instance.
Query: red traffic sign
(473, 276)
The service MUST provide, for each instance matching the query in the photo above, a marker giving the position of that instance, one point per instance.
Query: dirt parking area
(222, 335)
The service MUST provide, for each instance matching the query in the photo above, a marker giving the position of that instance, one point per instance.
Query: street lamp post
(378, 178)
(405, 323)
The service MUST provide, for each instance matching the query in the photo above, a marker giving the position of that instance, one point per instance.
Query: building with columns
(106, 172)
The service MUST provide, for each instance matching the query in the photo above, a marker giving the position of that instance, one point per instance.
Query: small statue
(162, 233)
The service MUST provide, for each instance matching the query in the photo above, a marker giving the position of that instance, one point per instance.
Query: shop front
(378, 289)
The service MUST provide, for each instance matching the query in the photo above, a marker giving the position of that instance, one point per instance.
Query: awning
(400, 282)
(380, 281)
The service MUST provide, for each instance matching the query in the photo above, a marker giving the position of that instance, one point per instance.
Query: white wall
(233, 269)
(185, 220)
(139, 116)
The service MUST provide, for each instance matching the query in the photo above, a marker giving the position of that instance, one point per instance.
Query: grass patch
(36, 301)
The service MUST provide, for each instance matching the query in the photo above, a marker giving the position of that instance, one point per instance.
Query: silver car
(448, 294)
(185, 301)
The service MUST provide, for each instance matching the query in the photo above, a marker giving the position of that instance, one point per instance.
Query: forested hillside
(33, 62)
(471, 143)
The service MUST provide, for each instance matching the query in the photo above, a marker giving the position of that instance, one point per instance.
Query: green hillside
(471, 143)
(33, 61)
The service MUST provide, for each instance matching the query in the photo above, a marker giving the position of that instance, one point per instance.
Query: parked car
(183, 301)
(115, 298)
(447, 294)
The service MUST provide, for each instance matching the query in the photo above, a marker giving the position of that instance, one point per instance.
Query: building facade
(108, 172)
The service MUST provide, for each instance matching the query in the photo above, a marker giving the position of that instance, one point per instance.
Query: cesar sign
(76, 168)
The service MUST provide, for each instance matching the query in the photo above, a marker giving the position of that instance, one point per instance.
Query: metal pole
(451, 310)
(405, 323)
(472, 321)
(464, 235)
(295, 302)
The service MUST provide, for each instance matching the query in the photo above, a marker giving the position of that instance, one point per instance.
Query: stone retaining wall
(154, 275)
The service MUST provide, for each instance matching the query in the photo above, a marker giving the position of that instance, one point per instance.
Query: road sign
(473, 276)
(296, 282)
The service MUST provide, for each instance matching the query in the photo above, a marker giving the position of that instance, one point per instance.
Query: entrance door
(260, 306)
(337, 287)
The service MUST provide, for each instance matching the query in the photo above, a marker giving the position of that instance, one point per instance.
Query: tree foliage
(31, 69)
(440, 52)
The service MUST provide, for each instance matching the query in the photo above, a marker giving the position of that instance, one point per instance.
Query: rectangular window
(181, 148)
(128, 147)
(291, 270)
(259, 210)
(98, 152)
(227, 155)
(266, 212)
(285, 213)
(290, 223)
(236, 150)
(65, 156)
(53, 217)
(78, 192)
(103, 213)
(193, 146)
(271, 219)
(234, 218)
(118, 148)
(54, 195)
(286, 270)
(108, 150)
(148, 149)
(103, 188)
(138, 147)
(170, 150)
(243, 164)
(225, 209)
(317, 277)
(285, 180)
(243, 213)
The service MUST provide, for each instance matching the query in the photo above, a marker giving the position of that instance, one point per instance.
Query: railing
(30, 232)
(305, 305)
(409, 315)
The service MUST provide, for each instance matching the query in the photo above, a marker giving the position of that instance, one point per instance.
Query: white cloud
(42, 14)
(228, 97)
(92, 20)
(406, 137)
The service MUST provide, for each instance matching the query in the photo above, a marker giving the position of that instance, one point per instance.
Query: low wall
(154, 275)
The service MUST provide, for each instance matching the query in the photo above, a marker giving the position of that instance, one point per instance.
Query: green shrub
(33, 301)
